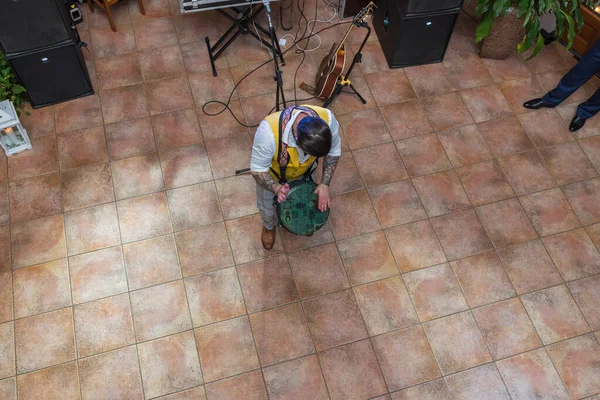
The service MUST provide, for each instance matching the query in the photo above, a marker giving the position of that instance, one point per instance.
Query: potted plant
(9, 86)
(506, 24)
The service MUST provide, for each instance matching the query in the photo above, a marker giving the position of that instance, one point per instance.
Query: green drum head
(299, 213)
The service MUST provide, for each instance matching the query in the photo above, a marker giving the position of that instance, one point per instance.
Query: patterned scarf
(286, 115)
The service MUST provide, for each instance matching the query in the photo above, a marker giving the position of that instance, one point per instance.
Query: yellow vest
(295, 169)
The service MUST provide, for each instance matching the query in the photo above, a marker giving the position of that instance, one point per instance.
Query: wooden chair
(106, 4)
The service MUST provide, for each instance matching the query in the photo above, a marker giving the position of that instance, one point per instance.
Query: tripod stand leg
(358, 94)
(336, 91)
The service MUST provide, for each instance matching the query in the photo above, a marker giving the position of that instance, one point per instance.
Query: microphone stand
(277, 76)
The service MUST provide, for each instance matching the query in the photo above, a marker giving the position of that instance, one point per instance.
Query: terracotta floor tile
(415, 246)
(527, 172)
(161, 63)
(554, 314)
(196, 26)
(299, 379)
(385, 305)
(82, 147)
(8, 389)
(5, 203)
(92, 229)
(194, 54)
(334, 319)
(486, 103)
(194, 206)
(485, 182)
(364, 128)
(550, 80)
(389, 167)
(41, 159)
(577, 361)
(583, 198)
(389, 87)
(568, 163)
(146, 33)
(281, 334)
(130, 138)
(39, 122)
(99, 20)
(38, 241)
(348, 102)
(405, 347)
(518, 91)
(594, 232)
(352, 214)
(461, 234)
(249, 386)
(205, 87)
(435, 292)
(367, 258)
(405, 119)
(512, 67)
(144, 217)
(103, 325)
(423, 155)
(111, 374)
(196, 393)
(34, 198)
(3, 169)
(574, 254)
(550, 212)
(160, 310)
(545, 127)
(98, 274)
(180, 95)
(7, 350)
(548, 59)
(347, 178)
(505, 136)
(267, 283)
(169, 364)
(262, 78)
(176, 129)
(151, 262)
(586, 295)
(373, 58)
(124, 103)
(507, 328)
(532, 375)
(483, 279)
(465, 145)
(591, 147)
(120, 70)
(441, 193)
(318, 270)
(237, 196)
(44, 340)
(479, 383)
(434, 390)
(204, 249)
(245, 233)
(78, 114)
(137, 176)
(86, 186)
(506, 223)
(447, 111)
(568, 111)
(6, 296)
(430, 79)
(352, 372)
(214, 297)
(226, 349)
(223, 125)
(41, 288)
(108, 43)
(185, 166)
(228, 155)
(60, 382)
(153, 9)
(468, 71)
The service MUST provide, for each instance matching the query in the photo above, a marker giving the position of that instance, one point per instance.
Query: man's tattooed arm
(329, 165)
(265, 180)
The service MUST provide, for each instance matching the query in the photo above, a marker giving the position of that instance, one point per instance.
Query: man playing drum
(307, 133)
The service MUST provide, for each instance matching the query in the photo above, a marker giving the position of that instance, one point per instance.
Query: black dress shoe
(535, 104)
(576, 124)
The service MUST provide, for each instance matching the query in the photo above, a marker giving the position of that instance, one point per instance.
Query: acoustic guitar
(333, 64)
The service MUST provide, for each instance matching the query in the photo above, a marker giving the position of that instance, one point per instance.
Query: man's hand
(282, 192)
(323, 192)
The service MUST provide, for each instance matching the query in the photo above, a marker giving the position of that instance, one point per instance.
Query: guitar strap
(308, 89)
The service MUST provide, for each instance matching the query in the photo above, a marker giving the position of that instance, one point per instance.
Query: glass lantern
(13, 137)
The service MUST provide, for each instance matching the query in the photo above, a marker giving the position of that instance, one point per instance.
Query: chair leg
(141, 4)
(91, 5)
(110, 18)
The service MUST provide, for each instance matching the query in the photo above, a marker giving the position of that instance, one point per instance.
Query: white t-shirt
(263, 149)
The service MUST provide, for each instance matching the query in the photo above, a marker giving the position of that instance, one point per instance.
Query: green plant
(567, 12)
(9, 86)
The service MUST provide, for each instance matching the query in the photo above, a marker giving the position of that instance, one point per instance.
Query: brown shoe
(268, 238)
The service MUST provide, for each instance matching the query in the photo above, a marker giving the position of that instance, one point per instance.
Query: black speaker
(53, 75)
(414, 7)
(32, 24)
(412, 40)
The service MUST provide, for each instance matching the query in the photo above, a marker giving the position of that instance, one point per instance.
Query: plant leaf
(538, 46)
(484, 27)
(18, 89)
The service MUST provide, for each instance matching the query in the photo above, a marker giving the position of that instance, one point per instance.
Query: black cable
(281, 9)
(226, 104)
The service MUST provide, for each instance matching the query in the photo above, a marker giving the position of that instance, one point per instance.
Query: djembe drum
(299, 213)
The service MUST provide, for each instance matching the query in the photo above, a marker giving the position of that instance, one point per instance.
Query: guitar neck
(345, 37)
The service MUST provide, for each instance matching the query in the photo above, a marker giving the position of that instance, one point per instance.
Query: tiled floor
(460, 260)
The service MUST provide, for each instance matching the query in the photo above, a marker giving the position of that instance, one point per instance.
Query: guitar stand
(344, 81)
(242, 21)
